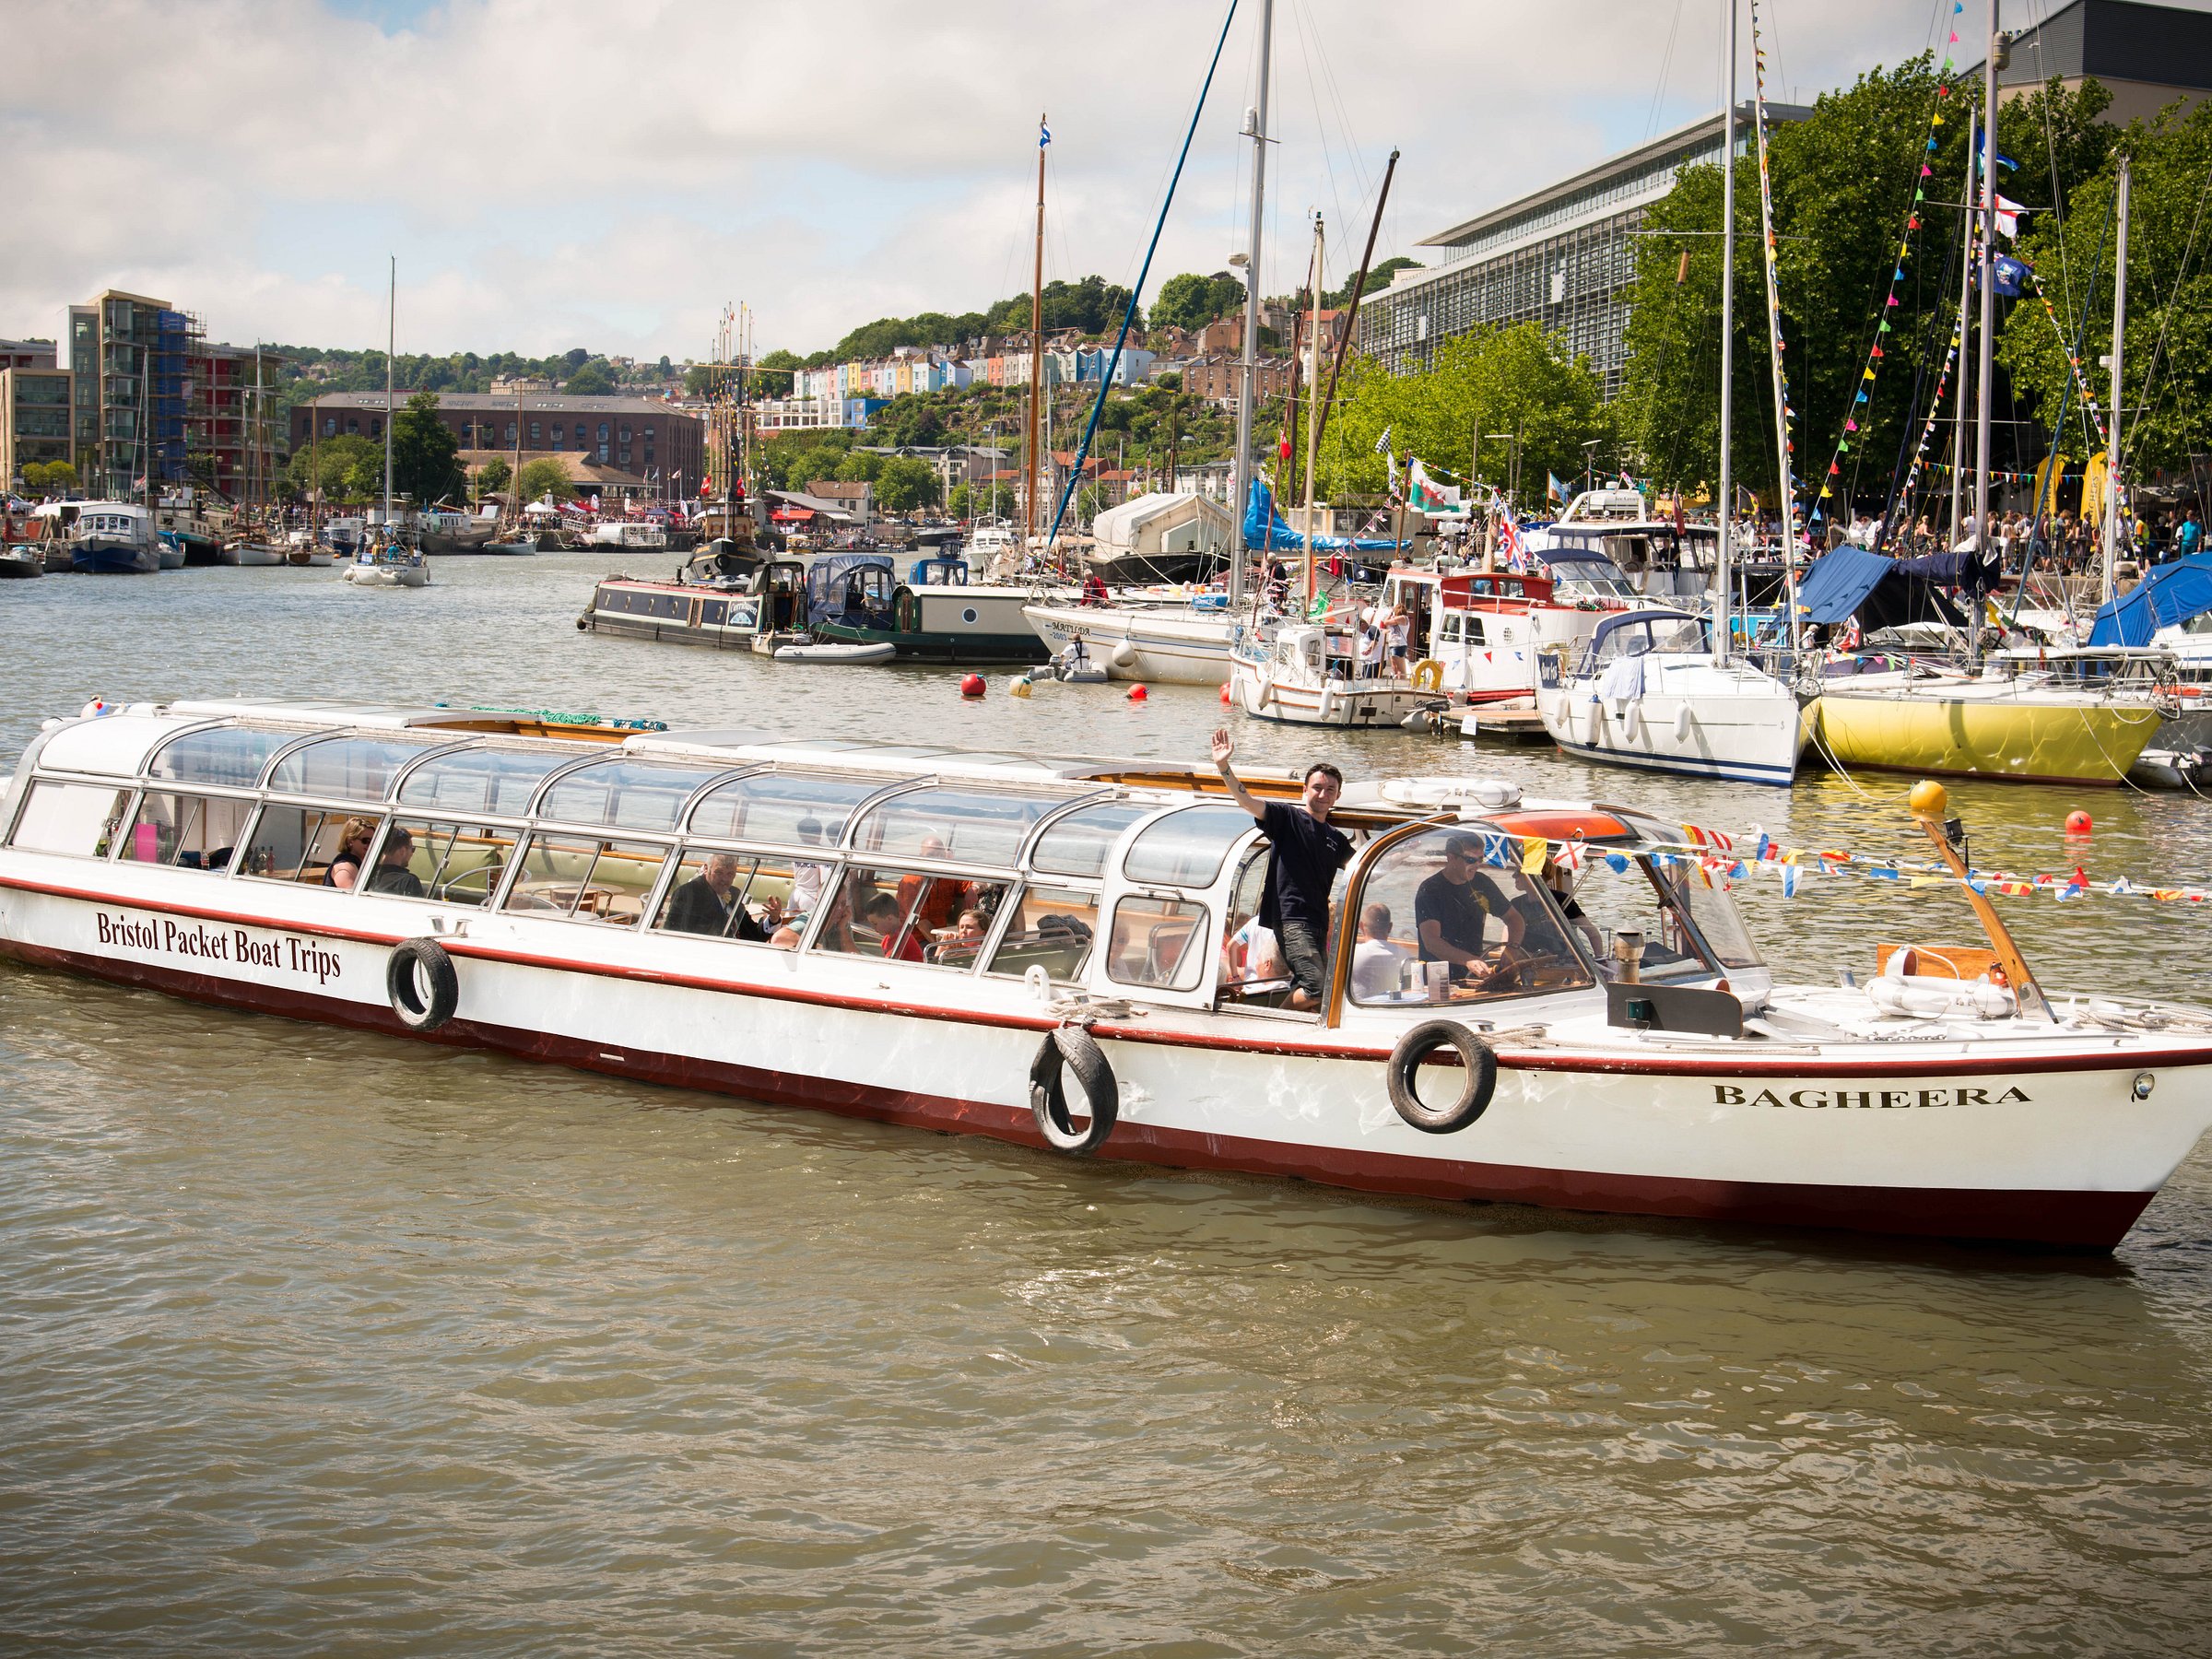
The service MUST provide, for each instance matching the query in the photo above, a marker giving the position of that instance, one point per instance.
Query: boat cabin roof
(1059, 815)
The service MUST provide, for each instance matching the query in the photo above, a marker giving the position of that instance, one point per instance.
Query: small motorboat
(170, 548)
(301, 548)
(20, 560)
(823, 651)
(519, 549)
(391, 562)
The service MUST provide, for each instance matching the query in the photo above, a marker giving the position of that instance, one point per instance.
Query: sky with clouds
(552, 173)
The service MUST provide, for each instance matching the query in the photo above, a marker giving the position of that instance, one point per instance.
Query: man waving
(1304, 853)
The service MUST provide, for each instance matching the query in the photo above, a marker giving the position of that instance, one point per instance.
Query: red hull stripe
(2080, 1220)
(1748, 1064)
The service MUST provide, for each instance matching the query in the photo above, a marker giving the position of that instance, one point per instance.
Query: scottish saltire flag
(1497, 851)
(1044, 133)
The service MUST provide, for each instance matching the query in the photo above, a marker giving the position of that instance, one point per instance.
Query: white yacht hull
(1746, 738)
(1166, 645)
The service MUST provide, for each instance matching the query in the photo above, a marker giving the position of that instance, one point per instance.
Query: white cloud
(552, 173)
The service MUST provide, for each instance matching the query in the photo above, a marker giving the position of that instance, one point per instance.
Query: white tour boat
(1052, 952)
(633, 535)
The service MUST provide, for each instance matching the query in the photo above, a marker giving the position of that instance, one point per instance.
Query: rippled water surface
(319, 1342)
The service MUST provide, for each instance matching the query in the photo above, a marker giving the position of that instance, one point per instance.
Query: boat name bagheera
(1864, 1099)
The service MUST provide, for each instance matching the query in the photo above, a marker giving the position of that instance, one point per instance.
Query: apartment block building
(34, 419)
(653, 441)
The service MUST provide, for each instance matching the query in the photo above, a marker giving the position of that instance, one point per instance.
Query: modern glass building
(1564, 258)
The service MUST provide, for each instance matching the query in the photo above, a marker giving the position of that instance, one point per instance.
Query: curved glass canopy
(783, 808)
(626, 795)
(495, 781)
(1079, 843)
(222, 755)
(349, 769)
(970, 825)
(1185, 848)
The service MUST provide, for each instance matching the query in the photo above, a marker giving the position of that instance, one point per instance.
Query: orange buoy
(1137, 694)
(971, 685)
(1224, 692)
(2078, 823)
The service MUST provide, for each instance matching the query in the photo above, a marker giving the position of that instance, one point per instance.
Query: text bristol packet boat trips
(1002, 944)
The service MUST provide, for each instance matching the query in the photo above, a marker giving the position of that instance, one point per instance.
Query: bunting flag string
(1714, 858)
(1870, 366)
(2081, 381)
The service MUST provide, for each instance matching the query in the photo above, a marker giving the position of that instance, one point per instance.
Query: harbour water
(316, 1341)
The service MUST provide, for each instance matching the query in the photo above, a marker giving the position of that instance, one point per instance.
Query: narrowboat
(936, 614)
(1055, 952)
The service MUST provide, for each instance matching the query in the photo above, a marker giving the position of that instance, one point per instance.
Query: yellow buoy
(1928, 799)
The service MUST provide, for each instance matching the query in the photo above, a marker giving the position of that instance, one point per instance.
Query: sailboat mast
(1785, 489)
(1031, 467)
(1986, 156)
(1312, 407)
(1255, 128)
(391, 340)
(1727, 514)
(1966, 292)
(2111, 446)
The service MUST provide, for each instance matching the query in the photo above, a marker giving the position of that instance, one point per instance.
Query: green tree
(589, 380)
(545, 477)
(699, 380)
(960, 504)
(1378, 279)
(1191, 301)
(2169, 344)
(328, 465)
(49, 477)
(1505, 381)
(906, 483)
(494, 475)
(424, 451)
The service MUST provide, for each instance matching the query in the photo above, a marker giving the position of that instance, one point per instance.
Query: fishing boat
(114, 538)
(767, 917)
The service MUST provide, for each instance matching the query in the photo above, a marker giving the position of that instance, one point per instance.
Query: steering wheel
(451, 891)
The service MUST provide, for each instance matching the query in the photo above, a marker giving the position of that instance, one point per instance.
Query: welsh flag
(1424, 493)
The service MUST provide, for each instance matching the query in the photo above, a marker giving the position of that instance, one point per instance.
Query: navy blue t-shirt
(1303, 857)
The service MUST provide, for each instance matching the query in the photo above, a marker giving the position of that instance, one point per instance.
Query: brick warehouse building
(656, 441)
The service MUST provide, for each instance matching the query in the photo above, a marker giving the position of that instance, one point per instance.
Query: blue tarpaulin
(1837, 583)
(2171, 592)
(1884, 591)
(1260, 509)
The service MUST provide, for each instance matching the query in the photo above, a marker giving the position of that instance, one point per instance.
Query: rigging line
(2058, 194)
(1666, 59)
(1363, 180)
(1305, 30)
(1106, 374)
(2166, 318)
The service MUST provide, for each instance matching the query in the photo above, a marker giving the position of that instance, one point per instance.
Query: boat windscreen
(1185, 848)
(1077, 844)
(500, 782)
(222, 755)
(629, 795)
(349, 769)
(973, 826)
(783, 808)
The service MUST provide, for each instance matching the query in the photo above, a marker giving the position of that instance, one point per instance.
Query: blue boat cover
(826, 579)
(1260, 509)
(1838, 583)
(2171, 592)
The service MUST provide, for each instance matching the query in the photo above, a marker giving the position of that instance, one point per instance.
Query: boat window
(348, 769)
(1716, 916)
(451, 863)
(967, 825)
(1052, 928)
(188, 831)
(1079, 843)
(914, 917)
(731, 896)
(1632, 898)
(1252, 963)
(80, 819)
(1157, 942)
(298, 843)
(497, 780)
(626, 795)
(225, 755)
(586, 877)
(787, 810)
(1185, 848)
(1461, 901)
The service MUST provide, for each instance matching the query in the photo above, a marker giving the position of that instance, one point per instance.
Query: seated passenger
(391, 875)
(899, 937)
(1560, 880)
(354, 837)
(709, 903)
(1451, 907)
(968, 930)
(1377, 962)
(837, 927)
(933, 900)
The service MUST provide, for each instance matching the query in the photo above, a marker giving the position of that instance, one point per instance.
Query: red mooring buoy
(2078, 823)
(1138, 694)
(971, 685)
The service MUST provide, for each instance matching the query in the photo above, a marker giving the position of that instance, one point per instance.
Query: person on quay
(354, 837)
(709, 903)
(391, 875)
(1304, 853)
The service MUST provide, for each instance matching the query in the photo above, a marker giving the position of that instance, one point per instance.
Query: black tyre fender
(1474, 1099)
(1072, 1049)
(420, 981)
